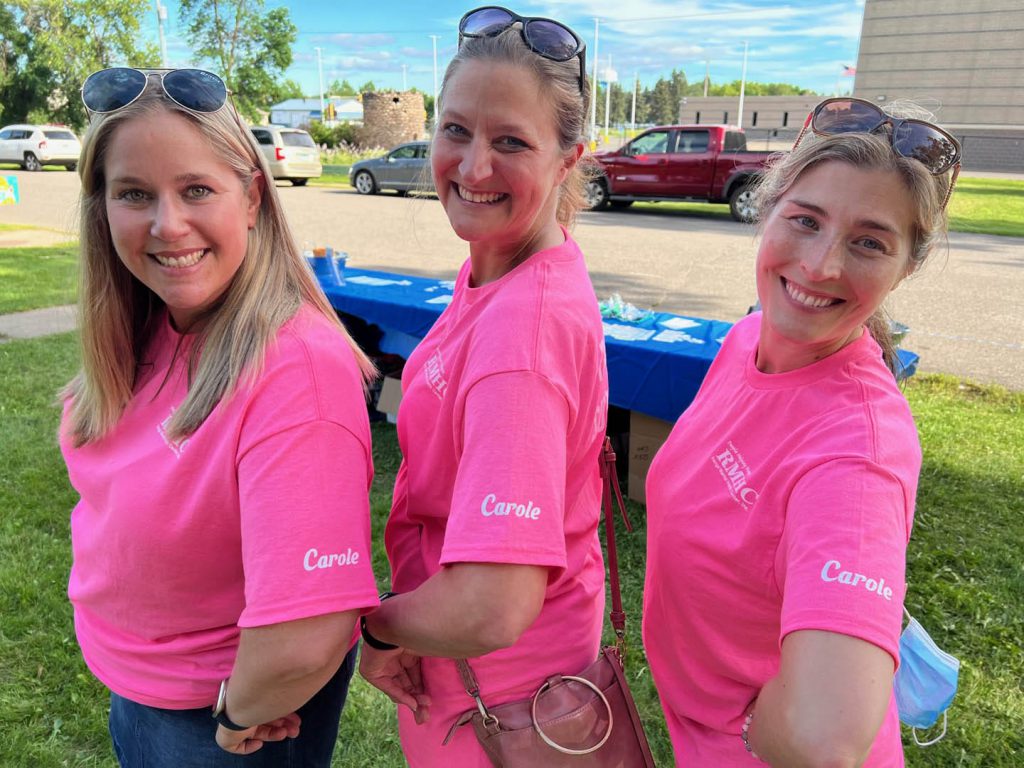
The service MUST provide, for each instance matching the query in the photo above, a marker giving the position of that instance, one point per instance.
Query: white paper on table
(440, 300)
(375, 281)
(626, 332)
(673, 336)
(678, 323)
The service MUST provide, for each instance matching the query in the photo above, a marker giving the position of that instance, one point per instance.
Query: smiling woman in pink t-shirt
(780, 507)
(218, 438)
(492, 536)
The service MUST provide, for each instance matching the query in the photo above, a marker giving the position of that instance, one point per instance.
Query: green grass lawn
(964, 571)
(985, 206)
(31, 278)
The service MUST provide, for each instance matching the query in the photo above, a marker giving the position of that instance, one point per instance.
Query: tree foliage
(49, 47)
(250, 49)
(659, 104)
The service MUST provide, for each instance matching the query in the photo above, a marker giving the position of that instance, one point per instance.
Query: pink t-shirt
(260, 516)
(501, 422)
(779, 503)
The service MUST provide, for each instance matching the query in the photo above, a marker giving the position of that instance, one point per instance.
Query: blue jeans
(149, 737)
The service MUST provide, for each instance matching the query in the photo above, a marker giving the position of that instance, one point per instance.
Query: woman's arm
(825, 706)
(280, 667)
(464, 610)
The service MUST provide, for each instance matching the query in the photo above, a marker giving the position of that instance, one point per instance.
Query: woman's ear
(572, 157)
(257, 185)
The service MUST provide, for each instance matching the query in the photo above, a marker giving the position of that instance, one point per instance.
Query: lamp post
(320, 71)
(743, 85)
(593, 97)
(161, 17)
(434, 39)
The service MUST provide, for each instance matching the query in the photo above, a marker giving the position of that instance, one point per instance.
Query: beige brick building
(962, 59)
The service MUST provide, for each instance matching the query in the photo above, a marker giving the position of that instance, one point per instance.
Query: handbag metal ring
(554, 745)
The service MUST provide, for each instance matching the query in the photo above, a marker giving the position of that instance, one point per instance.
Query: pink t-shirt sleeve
(842, 559)
(509, 497)
(305, 525)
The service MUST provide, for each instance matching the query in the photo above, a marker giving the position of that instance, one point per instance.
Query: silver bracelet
(745, 735)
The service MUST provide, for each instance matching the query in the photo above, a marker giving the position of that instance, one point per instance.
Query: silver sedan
(406, 168)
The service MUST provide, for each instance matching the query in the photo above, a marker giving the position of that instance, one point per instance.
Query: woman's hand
(251, 739)
(396, 673)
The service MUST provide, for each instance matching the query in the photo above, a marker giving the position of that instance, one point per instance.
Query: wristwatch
(369, 639)
(220, 710)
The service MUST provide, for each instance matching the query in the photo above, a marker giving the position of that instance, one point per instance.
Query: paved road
(965, 309)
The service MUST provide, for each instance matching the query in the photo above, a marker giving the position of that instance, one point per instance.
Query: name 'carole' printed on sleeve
(491, 507)
(831, 572)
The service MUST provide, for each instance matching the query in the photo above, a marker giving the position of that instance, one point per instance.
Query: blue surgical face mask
(925, 682)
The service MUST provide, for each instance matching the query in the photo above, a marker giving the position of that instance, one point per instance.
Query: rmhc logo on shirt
(434, 372)
(736, 474)
(177, 446)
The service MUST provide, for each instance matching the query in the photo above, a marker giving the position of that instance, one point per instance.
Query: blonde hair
(569, 99)
(118, 315)
(868, 151)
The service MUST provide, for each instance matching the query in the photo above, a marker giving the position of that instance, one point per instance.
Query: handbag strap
(611, 490)
(610, 482)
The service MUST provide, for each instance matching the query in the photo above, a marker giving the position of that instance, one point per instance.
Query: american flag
(849, 71)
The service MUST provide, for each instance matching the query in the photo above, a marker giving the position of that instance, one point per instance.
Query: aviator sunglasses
(934, 148)
(545, 37)
(109, 90)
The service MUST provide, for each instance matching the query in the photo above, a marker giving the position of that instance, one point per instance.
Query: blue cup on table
(340, 260)
(324, 266)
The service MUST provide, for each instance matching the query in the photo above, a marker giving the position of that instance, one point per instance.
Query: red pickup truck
(680, 162)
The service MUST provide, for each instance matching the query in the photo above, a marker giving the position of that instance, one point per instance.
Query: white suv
(33, 146)
(291, 152)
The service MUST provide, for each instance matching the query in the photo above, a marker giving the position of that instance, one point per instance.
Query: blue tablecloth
(655, 367)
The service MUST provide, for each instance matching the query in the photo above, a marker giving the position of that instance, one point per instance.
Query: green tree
(367, 87)
(49, 47)
(662, 104)
(250, 49)
(289, 89)
(342, 88)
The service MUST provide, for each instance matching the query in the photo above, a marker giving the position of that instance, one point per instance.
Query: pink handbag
(587, 719)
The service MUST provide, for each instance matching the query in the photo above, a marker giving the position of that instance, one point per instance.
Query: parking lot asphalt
(964, 308)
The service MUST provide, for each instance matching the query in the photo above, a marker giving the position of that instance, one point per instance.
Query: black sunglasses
(930, 145)
(936, 149)
(109, 90)
(545, 37)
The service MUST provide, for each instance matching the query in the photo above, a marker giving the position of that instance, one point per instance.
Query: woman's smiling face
(496, 158)
(179, 216)
(836, 243)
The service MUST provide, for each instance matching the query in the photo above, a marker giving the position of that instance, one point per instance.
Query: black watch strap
(369, 639)
(372, 641)
(223, 719)
(220, 710)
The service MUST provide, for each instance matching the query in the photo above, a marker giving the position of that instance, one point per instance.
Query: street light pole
(743, 85)
(632, 114)
(434, 38)
(320, 70)
(161, 17)
(405, 86)
(593, 97)
(607, 95)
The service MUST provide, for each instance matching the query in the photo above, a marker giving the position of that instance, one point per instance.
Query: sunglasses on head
(930, 145)
(109, 90)
(545, 37)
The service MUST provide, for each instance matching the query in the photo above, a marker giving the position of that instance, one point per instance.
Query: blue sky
(803, 42)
